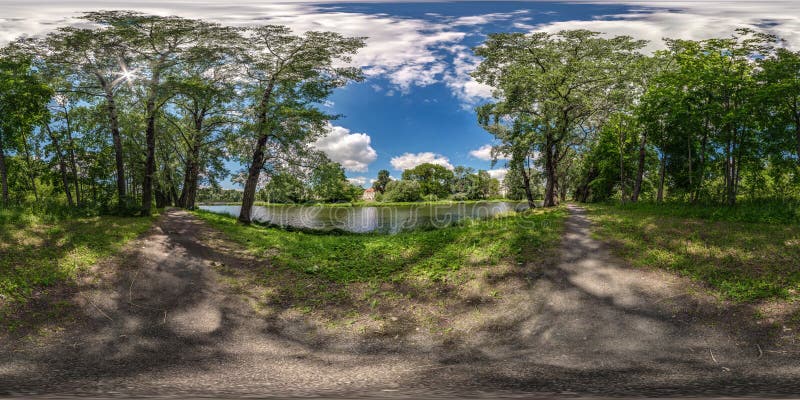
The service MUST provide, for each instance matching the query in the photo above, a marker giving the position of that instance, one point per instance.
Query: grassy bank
(39, 252)
(738, 260)
(421, 277)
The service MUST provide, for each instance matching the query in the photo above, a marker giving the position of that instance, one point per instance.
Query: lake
(363, 219)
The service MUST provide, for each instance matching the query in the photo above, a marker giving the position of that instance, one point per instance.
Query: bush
(402, 191)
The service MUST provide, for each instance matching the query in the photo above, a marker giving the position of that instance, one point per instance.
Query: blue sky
(417, 103)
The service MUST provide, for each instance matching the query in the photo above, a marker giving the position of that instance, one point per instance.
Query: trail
(167, 324)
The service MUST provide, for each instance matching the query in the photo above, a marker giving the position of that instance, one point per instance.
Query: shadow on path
(588, 324)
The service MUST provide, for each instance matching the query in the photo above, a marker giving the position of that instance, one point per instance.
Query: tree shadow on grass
(579, 323)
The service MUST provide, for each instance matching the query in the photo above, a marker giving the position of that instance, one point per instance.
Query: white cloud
(485, 18)
(352, 150)
(693, 20)
(485, 153)
(411, 160)
(458, 79)
(358, 180)
(498, 174)
(399, 49)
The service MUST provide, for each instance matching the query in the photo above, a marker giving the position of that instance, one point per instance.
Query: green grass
(430, 254)
(770, 211)
(41, 251)
(739, 260)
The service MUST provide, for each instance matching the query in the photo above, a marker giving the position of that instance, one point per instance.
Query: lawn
(37, 253)
(745, 253)
(422, 277)
(425, 254)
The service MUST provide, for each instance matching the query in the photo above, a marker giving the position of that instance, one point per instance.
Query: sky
(417, 103)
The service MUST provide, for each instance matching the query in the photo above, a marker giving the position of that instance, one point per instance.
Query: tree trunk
(150, 162)
(550, 171)
(702, 167)
(61, 165)
(190, 179)
(73, 164)
(253, 173)
(118, 155)
(31, 170)
(637, 184)
(797, 134)
(621, 137)
(150, 143)
(161, 199)
(526, 183)
(3, 175)
(661, 173)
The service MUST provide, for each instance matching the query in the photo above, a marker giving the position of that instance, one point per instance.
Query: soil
(163, 319)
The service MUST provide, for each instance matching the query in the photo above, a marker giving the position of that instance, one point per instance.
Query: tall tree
(551, 85)
(96, 63)
(23, 101)
(380, 183)
(782, 93)
(158, 46)
(288, 75)
(433, 179)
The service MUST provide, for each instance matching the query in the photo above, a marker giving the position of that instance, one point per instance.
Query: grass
(743, 254)
(379, 282)
(37, 252)
(428, 254)
(770, 211)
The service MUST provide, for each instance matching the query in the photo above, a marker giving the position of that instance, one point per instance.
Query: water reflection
(363, 219)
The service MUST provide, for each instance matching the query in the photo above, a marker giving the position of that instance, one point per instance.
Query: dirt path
(591, 325)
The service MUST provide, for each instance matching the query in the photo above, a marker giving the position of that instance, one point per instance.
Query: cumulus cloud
(401, 49)
(358, 180)
(352, 150)
(411, 160)
(484, 19)
(485, 153)
(694, 20)
(459, 80)
(499, 173)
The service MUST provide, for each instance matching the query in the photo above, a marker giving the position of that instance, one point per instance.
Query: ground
(163, 320)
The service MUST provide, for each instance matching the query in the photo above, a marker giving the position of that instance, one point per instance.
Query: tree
(550, 86)
(95, 62)
(23, 101)
(283, 188)
(286, 76)
(403, 191)
(204, 100)
(782, 95)
(329, 183)
(157, 45)
(380, 184)
(433, 179)
(461, 180)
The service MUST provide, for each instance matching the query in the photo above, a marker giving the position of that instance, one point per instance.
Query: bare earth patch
(185, 314)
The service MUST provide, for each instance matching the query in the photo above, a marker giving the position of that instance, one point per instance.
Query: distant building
(369, 195)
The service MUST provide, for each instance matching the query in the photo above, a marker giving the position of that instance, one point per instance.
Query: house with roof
(369, 195)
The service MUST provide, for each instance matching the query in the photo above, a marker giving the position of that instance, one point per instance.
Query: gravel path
(590, 325)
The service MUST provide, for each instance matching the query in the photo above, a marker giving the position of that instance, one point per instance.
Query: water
(363, 219)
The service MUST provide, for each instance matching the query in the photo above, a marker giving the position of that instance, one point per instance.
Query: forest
(708, 121)
(131, 112)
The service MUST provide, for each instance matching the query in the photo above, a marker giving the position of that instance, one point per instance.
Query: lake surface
(363, 219)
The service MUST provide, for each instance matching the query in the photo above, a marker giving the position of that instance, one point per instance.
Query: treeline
(126, 111)
(431, 182)
(428, 182)
(594, 118)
